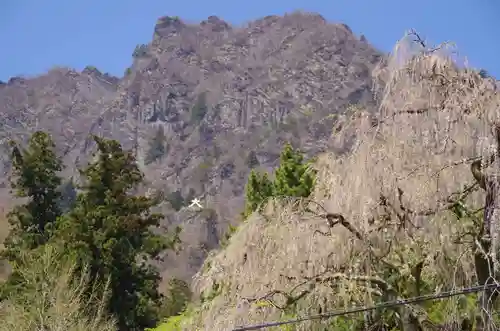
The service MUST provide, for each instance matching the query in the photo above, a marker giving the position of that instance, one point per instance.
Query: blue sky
(36, 35)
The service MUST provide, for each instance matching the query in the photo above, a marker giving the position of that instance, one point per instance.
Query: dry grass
(54, 299)
(433, 118)
(5, 204)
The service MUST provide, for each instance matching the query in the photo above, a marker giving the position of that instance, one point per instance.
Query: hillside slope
(396, 190)
(201, 105)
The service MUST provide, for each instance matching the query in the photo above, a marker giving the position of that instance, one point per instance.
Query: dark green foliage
(252, 160)
(35, 176)
(109, 229)
(157, 147)
(199, 109)
(293, 177)
(177, 297)
(484, 74)
(258, 189)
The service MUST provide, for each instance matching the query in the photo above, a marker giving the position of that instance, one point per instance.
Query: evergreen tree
(293, 177)
(35, 177)
(157, 147)
(109, 229)
(258, 189)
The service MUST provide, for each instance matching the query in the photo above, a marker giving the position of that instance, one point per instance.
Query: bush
(293, 178)
(258, 189)
(54, 298)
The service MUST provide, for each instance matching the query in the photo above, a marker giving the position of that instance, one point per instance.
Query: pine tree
(258, 189)
(35, 177)
(110, 230)
(293, 177)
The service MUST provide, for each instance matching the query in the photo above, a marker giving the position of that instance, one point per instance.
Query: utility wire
(389, 304)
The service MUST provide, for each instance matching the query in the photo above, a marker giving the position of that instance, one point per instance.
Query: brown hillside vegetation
(394, 188)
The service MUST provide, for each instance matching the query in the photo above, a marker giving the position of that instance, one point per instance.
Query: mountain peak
(168, 24)
(215, 24)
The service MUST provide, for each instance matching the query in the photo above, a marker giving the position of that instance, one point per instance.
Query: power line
(389, 304)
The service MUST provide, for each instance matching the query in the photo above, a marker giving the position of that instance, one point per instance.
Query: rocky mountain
(201, 105)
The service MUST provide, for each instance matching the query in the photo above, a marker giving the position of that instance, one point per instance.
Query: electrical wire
(389, 304)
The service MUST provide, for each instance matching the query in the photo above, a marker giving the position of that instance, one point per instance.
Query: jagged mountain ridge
(219, 93)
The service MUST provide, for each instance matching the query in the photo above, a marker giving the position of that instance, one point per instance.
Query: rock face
(217, 99)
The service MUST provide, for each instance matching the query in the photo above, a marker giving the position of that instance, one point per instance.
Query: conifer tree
(293, 176)
(258, 189)
(109, 229)
(35, 177)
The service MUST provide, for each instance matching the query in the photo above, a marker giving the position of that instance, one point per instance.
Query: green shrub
(293, 178)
